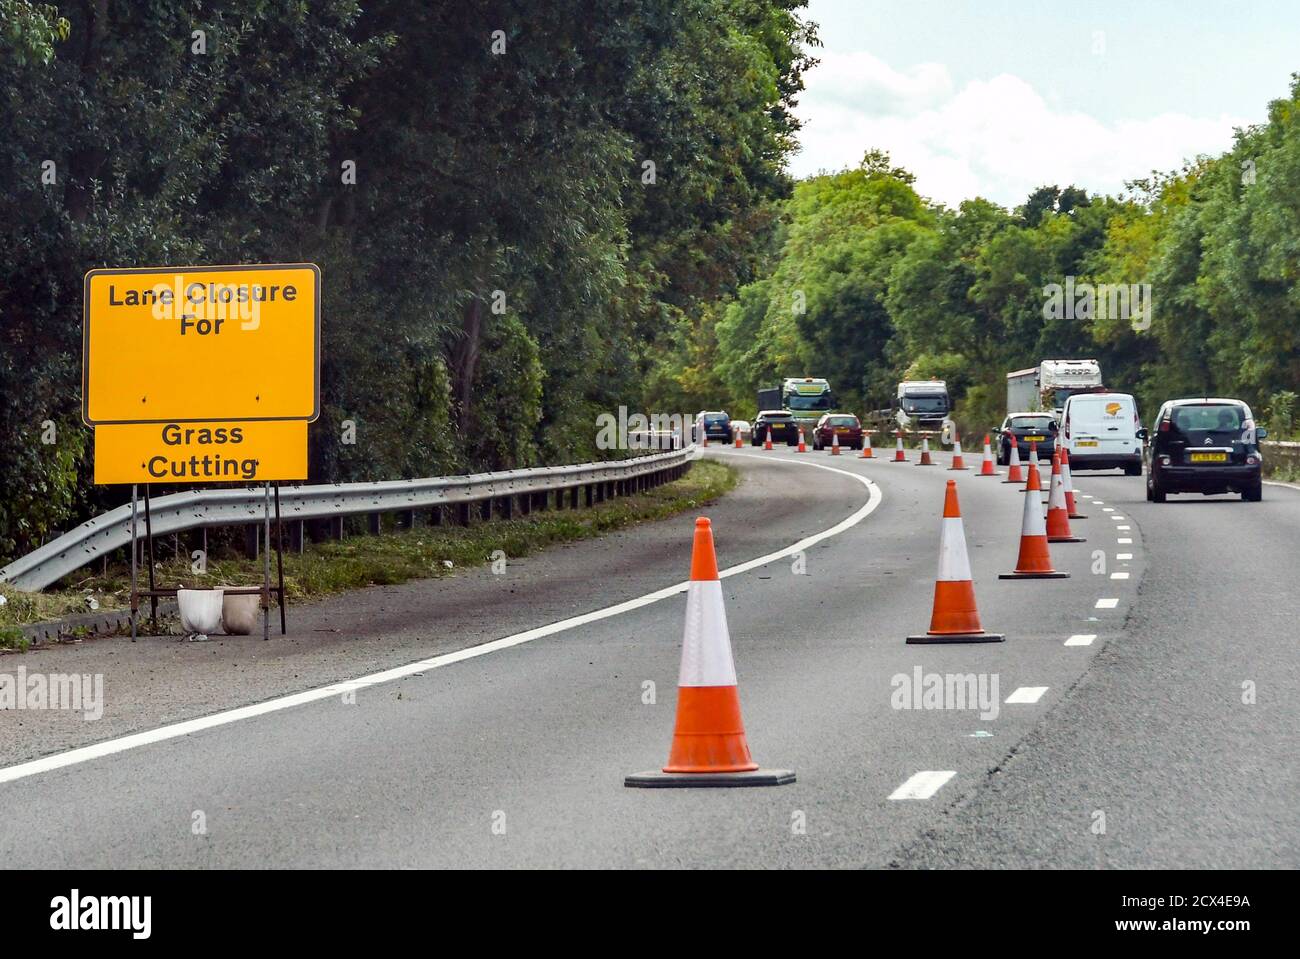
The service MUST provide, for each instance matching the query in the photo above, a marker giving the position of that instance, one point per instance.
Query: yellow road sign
(175, 344)
(191, 453)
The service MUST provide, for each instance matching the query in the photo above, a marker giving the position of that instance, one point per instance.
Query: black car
(1026, 429)
(784, 429)
(1204, 446)
(716, 426)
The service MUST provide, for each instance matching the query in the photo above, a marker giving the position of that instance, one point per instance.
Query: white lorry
(1048, 385)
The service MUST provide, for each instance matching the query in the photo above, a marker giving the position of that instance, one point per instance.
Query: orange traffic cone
(866, 445)
(1034, 562)
(1071, 510)
(706, 439)
(986, 467)
(925, 453)
(767, 441)
(1058, 517)
(899, 455)
(835, 444)
(1033, 459)
(1013, 474)
(738, 440)
(709, 746)
(802, 448)
(954, 618)
(957, 462)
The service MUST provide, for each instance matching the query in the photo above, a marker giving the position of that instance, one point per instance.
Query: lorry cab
(925, 402)
(1101, 431)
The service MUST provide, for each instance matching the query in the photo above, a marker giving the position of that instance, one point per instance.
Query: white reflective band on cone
(1056, 498)
(706, 644)
(954, 564)
(1035, 522)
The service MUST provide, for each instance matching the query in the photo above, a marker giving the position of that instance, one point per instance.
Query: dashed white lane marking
(1124, 527)
(1123, 555)
(1124, 541)
(1117, 518)
(1106, 604)
(923, 785)
(1108, 509)
(1085, 495)
(1119, 575)
(1026, 694)
(1081, 639)
(1100, 502)
(162, 733)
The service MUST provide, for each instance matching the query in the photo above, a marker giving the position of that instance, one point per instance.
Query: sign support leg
(135, 602)
(279, 556)
(266, 562)
(148, 538)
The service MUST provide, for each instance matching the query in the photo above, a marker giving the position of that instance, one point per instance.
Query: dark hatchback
(716, 425)
(1026, 429)
(1204, 446)
(782, 424)
(843, 425)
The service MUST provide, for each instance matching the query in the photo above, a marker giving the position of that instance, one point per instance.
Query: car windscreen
(809, 403)
(1040, 424)
(1219, 420)
(925, 404)
(842, 421)
(715, 417)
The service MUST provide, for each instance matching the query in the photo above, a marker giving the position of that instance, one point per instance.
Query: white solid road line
(162, 733)
(1106, 604)
(1081, 639)
(1026, 694)
(924, 784)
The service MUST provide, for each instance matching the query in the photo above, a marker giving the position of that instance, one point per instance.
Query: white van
(1101, 431)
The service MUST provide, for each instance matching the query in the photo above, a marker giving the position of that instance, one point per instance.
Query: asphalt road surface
(1144, 713)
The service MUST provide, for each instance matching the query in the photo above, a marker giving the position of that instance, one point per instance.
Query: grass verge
(324, 568)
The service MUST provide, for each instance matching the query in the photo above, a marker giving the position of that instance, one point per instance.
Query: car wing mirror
(1142, 434)
(1261, 434)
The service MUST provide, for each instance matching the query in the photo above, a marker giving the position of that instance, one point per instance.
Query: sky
(995, 98)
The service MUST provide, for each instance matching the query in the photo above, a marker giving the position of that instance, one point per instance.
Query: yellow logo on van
(1112, 409)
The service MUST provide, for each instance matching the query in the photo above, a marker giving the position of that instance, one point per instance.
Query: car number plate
(1086, 443)
(841, 429)
(1209, 457)
(1035, 439)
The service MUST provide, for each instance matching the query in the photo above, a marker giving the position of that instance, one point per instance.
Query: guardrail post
(507, 507)
(251, 541)
(406, 519)
(336, 527)
(590, 494)
(376, 524)
(435, 516)
(573, 498)
(526, 503)
(485, 508)
(296, 536)
(462, 513)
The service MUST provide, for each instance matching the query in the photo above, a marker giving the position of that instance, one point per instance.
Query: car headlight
(1164, 461)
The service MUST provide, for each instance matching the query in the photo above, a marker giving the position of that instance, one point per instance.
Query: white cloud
(996, 138)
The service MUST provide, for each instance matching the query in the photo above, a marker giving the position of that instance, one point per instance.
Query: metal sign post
(134, 600)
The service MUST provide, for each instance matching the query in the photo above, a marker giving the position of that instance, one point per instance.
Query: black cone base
(1054, 574)
(1066, 539)
(657, 779)
(929, 638)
